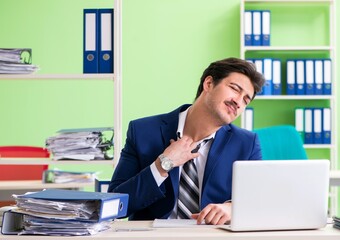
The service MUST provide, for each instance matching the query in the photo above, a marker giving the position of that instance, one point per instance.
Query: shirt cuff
(156, 175)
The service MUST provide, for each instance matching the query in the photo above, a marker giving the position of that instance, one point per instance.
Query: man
(159, 147)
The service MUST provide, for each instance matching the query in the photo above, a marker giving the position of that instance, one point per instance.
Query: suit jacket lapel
(222, 138)
(169, 131)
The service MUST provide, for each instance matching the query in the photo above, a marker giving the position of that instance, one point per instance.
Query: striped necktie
(188, 199)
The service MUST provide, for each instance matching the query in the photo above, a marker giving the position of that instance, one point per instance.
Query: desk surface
(193, 233)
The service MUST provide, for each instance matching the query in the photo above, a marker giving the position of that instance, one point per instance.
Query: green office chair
(281, 143)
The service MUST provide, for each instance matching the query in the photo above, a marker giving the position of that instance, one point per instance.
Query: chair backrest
(281, 142)
(101, 185)
(22, 172)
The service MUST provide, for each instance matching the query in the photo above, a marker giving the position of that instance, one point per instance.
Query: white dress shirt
(199, 161)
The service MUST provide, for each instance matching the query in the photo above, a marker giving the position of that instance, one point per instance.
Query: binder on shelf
(249, 118)
(105, 23)
(267, 69)
(290, 77)
(91, 43)
(248, 28)
(110, 205)
(318, 76)
(277, 90)
(256, 41)
(259, 67)
(326, 126)
(310, 84)
(308, 127)
(317, 125)
(266, 28)
(300, 77)
(327, 77)
(299, 122)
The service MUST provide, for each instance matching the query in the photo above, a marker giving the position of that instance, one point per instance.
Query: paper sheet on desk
(177, 223)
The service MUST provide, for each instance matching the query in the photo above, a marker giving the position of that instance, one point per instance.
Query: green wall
(166, 46)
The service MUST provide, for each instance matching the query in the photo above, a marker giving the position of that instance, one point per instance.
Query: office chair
(21, 172)
(281, 143)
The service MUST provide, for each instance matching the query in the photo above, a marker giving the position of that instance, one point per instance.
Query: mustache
(233, 105)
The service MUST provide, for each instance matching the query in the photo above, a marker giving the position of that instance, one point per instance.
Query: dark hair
(221, 69)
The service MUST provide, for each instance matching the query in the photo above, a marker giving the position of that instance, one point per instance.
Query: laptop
(279, 195)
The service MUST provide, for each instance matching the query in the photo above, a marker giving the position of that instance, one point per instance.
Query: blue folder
(110, 205)
(105, 23)
(91, 41)
(257, 30)
(248, 28)
(327, 77)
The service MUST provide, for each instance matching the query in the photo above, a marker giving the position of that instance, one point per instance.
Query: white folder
(318, 77)
(310, 85)
(300, 77)
(317, 125)
(290, 77)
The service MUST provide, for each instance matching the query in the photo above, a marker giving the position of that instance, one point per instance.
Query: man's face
(228, 99)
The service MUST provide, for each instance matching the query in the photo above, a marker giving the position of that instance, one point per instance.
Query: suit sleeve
(256, 154)
(134, 177)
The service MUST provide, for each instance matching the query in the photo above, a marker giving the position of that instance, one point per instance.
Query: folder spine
(265, 28)
(248, 28)
(277, 89)
(91, 43)
(105, 23)
(290, 90)
(257, 29)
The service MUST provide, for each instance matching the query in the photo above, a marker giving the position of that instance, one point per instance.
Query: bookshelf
(299, 29)
(69, 77)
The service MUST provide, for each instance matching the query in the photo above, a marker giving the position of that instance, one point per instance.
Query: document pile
(336, 222)
(64, 213)
(59, 176)
(16, 60)
(81, 144)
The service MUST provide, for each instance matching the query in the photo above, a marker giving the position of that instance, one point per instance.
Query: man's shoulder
(238, 130)
(163, 117)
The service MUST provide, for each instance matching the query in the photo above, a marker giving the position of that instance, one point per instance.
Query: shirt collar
(181, 122)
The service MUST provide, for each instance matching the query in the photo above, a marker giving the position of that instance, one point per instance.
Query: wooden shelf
(40, 161)
(294, 97)
(288, 48)
(37, 184)
(57, 76)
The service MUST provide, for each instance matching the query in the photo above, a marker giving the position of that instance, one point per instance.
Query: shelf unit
(292, 46)
(115, 78)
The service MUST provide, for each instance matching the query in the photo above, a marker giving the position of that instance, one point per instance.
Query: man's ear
(208, 83)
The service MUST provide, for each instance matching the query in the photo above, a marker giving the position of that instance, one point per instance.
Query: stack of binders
(257, 28)
(309, 76)
(271, 70)
(314, 125)
(56, 212)
(98, 41)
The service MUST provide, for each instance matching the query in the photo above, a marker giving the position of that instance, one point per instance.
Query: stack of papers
(336, 223)
(64, 212)
(16, 61)
(80, 144)
(59, 176)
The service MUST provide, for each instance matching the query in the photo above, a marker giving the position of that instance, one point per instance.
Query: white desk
(193, 233)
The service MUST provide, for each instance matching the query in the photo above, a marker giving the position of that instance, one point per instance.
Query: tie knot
(195, 150)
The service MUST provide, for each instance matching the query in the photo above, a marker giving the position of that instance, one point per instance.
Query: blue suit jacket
(146, 140)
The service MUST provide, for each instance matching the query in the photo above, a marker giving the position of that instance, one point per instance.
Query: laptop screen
(279, 194)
